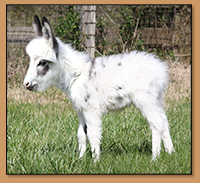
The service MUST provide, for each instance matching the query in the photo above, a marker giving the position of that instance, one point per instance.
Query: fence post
(88, 23)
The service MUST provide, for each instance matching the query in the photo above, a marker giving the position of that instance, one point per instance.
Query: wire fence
(161, 28)
(166, 27)
(165, 30)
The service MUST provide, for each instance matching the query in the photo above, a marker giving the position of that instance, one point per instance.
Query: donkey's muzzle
(29, 86)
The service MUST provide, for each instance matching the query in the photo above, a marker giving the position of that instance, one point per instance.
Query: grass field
(42, 134)
(41, 139)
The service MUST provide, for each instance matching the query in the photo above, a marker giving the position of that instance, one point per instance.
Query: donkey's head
(43, 69)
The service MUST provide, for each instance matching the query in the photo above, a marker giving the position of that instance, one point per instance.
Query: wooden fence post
(88, 23)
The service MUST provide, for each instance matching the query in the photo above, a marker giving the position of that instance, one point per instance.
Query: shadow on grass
(118, 148)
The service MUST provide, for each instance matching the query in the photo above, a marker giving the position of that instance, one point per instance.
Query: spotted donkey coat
(96, 86)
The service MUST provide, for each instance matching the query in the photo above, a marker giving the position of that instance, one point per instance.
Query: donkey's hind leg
(163, 130)
(166, 136)
(153, 110)
(150, 109)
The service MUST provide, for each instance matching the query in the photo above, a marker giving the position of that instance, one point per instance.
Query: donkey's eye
(42, 63)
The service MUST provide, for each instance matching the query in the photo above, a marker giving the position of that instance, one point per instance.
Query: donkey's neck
(72, 65)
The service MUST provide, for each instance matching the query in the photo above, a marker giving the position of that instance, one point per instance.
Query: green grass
(41, 139)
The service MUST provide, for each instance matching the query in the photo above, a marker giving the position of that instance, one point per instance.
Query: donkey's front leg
(93, 122)
(82, 134)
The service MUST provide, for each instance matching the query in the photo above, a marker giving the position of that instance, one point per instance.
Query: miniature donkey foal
(96, 86)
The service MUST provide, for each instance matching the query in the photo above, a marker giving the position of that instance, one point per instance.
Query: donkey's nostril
(27, 84)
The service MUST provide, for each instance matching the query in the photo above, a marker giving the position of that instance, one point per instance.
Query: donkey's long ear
(37, 26)
(48, 34)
